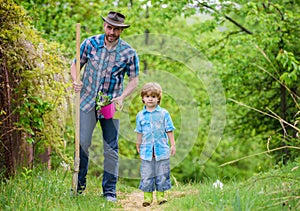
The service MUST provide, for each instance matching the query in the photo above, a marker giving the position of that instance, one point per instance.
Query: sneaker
(110, 198)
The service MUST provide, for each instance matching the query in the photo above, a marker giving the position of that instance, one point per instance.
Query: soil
(133, 201)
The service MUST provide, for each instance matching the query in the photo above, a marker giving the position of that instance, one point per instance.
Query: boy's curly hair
(152, 88)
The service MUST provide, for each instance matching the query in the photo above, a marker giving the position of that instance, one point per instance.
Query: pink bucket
(108, 111)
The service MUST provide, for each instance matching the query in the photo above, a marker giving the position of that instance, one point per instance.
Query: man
(106, 58)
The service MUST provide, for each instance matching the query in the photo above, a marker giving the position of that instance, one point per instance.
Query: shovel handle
(77, 131)
(77, 111)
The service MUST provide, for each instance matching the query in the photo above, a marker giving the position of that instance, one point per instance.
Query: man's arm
(76, 86)
(132, 84)
(73, 71)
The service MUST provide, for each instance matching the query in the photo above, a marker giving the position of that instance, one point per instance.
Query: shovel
(77, 111)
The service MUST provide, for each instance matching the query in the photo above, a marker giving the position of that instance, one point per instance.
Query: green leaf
(30, 140)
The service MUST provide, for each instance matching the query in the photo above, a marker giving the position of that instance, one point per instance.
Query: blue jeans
(155, 175)
(110, 130)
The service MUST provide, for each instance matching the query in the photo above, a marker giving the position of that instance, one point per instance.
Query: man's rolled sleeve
(133, 70)
(83, 53)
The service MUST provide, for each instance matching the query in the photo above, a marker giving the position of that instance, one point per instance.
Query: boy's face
(150, 100)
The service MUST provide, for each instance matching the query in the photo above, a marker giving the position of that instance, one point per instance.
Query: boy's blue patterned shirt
(105, 69)
(154, 127)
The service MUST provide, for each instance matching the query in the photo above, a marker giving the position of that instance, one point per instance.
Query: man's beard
(111, 38)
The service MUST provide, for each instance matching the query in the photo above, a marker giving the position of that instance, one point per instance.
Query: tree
(260, 65)
(32, 88)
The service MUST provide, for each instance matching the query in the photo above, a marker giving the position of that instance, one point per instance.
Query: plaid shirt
(105, 69)
(154, 127)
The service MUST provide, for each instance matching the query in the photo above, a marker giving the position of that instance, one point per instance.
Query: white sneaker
(110, 198)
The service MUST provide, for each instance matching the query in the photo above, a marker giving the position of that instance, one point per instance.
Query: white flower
(65, 166)
(261, 191)
(218, 184)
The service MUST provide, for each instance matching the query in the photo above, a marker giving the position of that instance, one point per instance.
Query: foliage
(254, 34)
(252, 46)
(289, 62)
(56, 19)
(102, 100)
(35, 109)
(36, 81)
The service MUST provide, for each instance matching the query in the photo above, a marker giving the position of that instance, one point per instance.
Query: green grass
(43, 190)
(48, 191)
(276, 190)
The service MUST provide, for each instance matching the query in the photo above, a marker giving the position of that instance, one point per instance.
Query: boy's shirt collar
(157, 108)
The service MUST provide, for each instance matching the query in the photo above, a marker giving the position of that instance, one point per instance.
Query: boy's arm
(138, 141)
(172, 142)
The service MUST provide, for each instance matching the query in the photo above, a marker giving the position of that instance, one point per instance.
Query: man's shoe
(110, 198)
(73, 193)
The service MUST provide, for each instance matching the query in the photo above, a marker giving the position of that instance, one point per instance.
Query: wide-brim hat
(116, 19)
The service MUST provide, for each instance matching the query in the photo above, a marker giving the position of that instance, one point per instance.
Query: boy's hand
(138, 148)
(173, 150)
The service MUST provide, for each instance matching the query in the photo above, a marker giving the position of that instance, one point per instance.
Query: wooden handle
(77, 111)
(77, 52)
(77, 132)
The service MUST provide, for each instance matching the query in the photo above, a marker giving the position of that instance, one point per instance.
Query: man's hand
(119, 102)
(77, 86)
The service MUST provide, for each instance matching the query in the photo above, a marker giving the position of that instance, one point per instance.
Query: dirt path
(133, 201)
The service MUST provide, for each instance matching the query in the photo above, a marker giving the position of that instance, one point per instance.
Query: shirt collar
(102, 43)
(158, 108)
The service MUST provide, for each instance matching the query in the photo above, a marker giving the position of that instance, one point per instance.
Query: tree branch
(260, 153)
(227, 17)
(270, 115)
(238, 25)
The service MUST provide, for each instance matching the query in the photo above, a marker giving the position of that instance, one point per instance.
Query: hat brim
(114, 23)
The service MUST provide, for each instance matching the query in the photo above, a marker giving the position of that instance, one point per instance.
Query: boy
(154, 127)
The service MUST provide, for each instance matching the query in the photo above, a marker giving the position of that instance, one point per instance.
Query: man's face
(112, 33)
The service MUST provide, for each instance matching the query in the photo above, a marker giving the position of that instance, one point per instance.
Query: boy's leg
(162, 179)
(160, 197)
(147, 176)
(148, 198)
(110, 130)
(87, 125)
(162, 175)
(147, 181)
